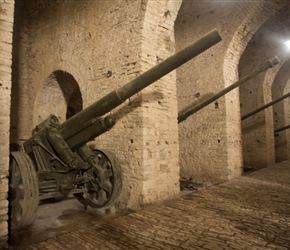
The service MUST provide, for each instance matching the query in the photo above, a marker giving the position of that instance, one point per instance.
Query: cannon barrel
(281, 129)
(82, 120)
(265, 106)
(183, 115)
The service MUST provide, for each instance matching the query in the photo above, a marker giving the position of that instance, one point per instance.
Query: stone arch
(165, 13)
(160, 152)
(244, 33)
(281, 116)
(60, 95)
(237, 46)
(196, 83)
(219, 127)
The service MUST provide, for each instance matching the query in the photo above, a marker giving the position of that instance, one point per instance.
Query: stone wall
(281, 112)
(71, 53)
(20, 100)
(258, 136)
(6, 28)
(160, 170)
(103, 45)
(211, 139)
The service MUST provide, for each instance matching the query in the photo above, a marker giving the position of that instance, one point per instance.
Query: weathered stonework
(103, 46)
(258, 135)
(6, 28)
(68, 54)
(215, 131)
(280, 87)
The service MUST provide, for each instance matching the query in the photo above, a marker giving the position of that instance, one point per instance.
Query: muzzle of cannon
(190, 110)
(57, 162)
(265, 106)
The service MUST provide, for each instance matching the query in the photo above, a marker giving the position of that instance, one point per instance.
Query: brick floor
(249, 212)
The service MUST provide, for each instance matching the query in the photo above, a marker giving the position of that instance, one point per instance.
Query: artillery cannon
(265, 106)
(278, 130)
(190, 110)
(57, 161)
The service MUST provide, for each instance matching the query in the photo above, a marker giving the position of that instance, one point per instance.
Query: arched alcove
(215, 131)
(258, 129)
(281, 116)
(60, 96)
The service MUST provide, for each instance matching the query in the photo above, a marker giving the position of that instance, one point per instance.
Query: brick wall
(258, 137)
(6, 27)
(281, 113)
(215, 131)
(159, 109)
(205, 132)
(102, 45)
(88, 39)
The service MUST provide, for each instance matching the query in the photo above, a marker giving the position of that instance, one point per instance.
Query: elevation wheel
(23, 192)
(105, 182)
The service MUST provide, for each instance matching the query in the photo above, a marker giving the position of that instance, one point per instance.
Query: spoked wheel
(24, 191)
(106, 181)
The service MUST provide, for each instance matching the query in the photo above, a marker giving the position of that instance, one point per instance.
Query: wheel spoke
(107, 186)
(17, 212)
(16, 216)
(101, 196)
(106, 181)
(108, 174)
(103, 162)
(18, 207)
(19, 191)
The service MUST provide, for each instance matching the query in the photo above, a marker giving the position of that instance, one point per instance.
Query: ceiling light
(287, 44)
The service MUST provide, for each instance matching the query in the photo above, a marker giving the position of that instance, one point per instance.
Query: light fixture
(287, 44)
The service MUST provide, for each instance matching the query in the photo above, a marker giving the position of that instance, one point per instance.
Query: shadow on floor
(56, 217)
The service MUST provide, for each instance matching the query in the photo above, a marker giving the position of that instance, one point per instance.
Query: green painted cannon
(57, 162)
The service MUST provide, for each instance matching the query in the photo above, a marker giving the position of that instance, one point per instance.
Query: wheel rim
(106, 181)
(23, 192)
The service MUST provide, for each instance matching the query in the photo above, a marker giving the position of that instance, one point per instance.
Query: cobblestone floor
(249, 212)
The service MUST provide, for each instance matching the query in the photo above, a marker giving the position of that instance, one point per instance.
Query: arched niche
(258, 130)
(281, 110)
(215, 131)
(60, 95)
